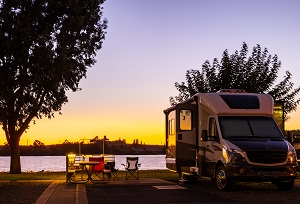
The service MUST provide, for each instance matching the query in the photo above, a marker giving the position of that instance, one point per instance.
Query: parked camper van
(229, 136)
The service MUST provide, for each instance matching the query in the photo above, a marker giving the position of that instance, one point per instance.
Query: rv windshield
(249, 126)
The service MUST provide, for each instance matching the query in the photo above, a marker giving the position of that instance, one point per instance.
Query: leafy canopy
(46, 47)
(256, 73)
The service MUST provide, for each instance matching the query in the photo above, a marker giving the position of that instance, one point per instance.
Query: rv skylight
(241, 101)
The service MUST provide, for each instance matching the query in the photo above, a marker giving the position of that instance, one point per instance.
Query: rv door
(186, 136)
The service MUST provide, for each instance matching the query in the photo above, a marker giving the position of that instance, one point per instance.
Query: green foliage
(46, 47)
(255, 74)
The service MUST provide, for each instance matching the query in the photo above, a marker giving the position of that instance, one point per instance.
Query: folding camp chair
(99, 172)
(132, 167)
(114, 171)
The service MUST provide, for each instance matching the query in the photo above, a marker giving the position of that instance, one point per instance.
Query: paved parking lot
(152, 190)
(148, 191)
(204, 191)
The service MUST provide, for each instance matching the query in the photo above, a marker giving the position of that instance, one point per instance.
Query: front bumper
(261, 173)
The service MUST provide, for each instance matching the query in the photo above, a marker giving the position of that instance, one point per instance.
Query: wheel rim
(221, 178)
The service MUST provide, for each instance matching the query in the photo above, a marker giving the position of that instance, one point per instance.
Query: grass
(160, 174)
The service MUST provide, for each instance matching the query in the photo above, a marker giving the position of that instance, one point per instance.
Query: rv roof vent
(232, 90)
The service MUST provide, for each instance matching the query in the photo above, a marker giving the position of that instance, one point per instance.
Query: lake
(58, 163)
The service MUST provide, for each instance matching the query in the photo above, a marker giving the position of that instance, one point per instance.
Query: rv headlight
(292, 156)
(232, 155)
(225, 155)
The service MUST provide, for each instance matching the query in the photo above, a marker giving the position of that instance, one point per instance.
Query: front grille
(267, 157)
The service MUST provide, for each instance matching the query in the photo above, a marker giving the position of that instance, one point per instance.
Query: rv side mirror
(290, 137)
(204, 135)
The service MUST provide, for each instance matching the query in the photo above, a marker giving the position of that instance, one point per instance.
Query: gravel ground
(21, 192)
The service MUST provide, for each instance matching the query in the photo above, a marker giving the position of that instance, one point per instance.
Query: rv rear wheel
(222, 181)
(285, 185)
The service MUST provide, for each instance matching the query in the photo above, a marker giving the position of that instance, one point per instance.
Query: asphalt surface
(152, 190)
(160, 192)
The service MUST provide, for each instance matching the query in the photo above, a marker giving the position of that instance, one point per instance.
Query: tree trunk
(15, 162)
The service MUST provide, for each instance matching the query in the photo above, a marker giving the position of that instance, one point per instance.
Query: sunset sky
(150, 44)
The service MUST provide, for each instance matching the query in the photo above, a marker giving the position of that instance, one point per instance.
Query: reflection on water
(58, 163)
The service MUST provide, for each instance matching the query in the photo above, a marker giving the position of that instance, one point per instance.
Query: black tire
(285, 185)
(222, 181)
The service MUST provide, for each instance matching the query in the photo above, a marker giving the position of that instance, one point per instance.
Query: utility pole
(104, 138)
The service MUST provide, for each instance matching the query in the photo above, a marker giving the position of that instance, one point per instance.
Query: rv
(229, 136)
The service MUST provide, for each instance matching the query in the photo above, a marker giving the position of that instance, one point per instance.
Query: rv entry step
(188, 178)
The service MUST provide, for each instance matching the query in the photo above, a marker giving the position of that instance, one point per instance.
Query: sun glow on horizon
(57, 130)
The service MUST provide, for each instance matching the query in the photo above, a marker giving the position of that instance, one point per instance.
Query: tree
(256, 74)
(66, 142)
(38, 143)
(46, 47)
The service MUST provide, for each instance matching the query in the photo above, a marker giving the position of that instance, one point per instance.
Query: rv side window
(171, 127)
(185, 120)
(213, 131)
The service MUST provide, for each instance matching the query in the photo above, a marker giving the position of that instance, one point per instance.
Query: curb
(47, 193)
(62, 192)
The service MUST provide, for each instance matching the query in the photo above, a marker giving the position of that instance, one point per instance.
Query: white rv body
(229, 136)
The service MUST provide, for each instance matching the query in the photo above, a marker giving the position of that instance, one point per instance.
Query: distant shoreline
(116, 148)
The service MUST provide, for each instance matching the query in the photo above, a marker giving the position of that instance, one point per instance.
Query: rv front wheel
(222, 181)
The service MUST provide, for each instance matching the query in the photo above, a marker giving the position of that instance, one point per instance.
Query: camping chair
(99, 173)
(112, 168)
(132, 167)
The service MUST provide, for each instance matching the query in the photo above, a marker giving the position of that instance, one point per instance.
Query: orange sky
(121, 124)
(148, 129)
